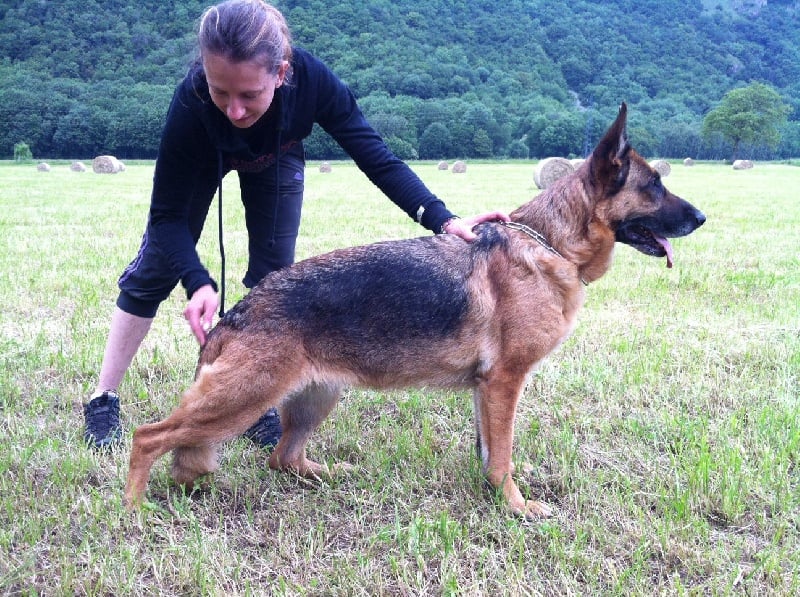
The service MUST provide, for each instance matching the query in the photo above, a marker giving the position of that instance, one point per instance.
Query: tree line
(438, 79)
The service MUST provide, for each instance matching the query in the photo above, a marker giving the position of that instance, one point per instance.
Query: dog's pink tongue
(667, 247)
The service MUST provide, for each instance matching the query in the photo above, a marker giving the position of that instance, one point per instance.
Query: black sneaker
(267, 430)
(102, 421)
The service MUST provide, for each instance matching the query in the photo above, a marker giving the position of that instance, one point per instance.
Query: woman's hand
(462, 227)
(200, 311)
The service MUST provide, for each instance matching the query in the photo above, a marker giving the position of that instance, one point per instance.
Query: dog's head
(639, 208)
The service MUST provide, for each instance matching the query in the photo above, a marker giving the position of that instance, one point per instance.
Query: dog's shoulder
(491, 236)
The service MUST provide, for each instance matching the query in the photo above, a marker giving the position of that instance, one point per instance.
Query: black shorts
(272, 227)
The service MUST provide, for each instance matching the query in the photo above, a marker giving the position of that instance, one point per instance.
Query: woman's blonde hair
(246, 30)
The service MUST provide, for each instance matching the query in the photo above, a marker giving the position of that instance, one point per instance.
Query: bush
(401, 148)
(435, 142)
(518, 149)
(22, 152)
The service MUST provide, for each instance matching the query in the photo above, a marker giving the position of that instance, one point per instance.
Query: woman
(246, 105)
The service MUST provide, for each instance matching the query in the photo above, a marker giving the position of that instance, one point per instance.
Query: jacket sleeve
(185, 173)
(338, 113)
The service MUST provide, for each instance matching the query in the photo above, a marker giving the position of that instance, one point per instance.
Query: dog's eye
(654, 189)
(656, 185)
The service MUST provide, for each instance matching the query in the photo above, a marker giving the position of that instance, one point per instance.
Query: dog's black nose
(700, 218)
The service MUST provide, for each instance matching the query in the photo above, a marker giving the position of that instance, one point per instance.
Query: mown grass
(665, 432)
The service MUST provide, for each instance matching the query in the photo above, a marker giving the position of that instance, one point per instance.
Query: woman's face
(243, 91)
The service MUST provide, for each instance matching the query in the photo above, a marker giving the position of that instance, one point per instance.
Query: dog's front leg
(496, 400)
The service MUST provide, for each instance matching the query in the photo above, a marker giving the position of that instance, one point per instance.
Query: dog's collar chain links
(538, 237)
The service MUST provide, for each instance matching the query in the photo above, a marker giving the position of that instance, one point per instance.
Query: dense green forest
(438, 78)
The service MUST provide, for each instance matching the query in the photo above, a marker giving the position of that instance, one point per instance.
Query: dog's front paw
(343, 468)
(531, 510)
(535, 510)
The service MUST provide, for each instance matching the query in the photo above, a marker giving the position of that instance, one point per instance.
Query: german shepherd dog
(433, 311)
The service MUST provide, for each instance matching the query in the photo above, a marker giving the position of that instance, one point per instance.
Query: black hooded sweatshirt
(197, 136)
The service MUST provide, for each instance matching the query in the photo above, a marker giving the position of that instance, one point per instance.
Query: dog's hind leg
(195, 453)
(496, 400)
(301, 414)
(220, 405)
(194, 445)
(145, 450)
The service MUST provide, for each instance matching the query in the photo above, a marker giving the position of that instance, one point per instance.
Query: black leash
(221, 245)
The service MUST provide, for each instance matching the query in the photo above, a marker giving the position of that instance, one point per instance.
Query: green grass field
(665, 432)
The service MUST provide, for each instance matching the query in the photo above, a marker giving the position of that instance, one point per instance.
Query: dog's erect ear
(617, 135)
(610, 158)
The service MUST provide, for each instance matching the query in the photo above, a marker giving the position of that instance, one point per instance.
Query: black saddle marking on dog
(392, 291)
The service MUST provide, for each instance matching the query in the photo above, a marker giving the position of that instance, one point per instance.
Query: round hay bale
(107, 164)
(325, 167)
(742, 165)
(442, 165)
(661, 166)
(43, 167)
(688, 162)
(577, 162)
(550, 170)
(77, 167)
(459, 167)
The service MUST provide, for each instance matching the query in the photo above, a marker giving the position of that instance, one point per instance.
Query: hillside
(439, 78)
